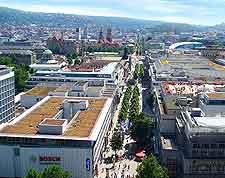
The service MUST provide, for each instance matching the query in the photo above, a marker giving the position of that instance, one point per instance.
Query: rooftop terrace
(40, 91)
(81, 126)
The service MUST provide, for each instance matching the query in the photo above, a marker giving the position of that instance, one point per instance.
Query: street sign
(88, 164)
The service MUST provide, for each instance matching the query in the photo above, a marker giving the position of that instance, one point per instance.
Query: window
(196, 145)
(205, 146)
(222, 146)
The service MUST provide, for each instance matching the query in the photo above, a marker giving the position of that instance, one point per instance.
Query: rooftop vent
(71, 107)
(196, 112)
(183, 101)
(52, 126)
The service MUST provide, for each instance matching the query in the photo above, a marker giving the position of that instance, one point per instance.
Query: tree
(21, 76)
(141, 71)
(142, 129)
(151, 99)
(49, 172)
(56, 172)
(70, 61)
(7, 60)
(117, 140)
(32, 173)
(125, 104)
(150, 168)
(77, 61)
(21, 72)
(72, 58)
(134, 104)
(125, 53)
(136, 72)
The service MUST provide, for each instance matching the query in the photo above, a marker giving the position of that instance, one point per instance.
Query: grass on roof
(40, 91)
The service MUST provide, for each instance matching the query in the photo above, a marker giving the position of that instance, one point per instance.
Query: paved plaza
(124, 168)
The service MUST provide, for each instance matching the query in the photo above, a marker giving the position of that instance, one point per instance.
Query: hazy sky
(206, 12)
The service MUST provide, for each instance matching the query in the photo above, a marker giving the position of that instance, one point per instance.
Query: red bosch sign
(49, 159)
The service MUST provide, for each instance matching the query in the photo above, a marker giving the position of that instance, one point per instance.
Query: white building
(7, 94)
(110, 74)
(213, 103)
(67, 131)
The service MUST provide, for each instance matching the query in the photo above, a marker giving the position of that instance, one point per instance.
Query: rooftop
(40, 91)
(175, 45)
(188, 88)
(81, 126)
(168, 144)
(50, 121)
(94, 89)
(216, 95)
(170, 103)
(195, 67)
(22, 52)
(4, 70)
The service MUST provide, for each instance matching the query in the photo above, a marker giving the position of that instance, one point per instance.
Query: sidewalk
(124, 167)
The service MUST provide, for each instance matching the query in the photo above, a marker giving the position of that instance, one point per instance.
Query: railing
(4, 71)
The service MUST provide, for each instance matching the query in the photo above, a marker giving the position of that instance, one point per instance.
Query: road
(146, 89)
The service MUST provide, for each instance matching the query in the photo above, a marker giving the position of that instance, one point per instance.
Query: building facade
(7, 94)
(69, 132)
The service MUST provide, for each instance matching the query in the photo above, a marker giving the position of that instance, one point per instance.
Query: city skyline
(199, 12)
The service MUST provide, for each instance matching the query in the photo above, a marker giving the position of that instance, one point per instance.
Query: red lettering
(49, 158)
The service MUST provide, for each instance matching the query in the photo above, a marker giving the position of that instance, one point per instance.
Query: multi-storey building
(67, 131)
(25, 57)
(194, 145)
(200, 139)
(59, 45)
(7, 94)
(110, 74)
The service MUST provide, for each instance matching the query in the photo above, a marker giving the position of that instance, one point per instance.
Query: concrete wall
(58, 93)
(29, 101)
(71, 159)
(212, 110)
(168, 126)
(80, 87)
(85, 94)
(70, 107)
(52, 129)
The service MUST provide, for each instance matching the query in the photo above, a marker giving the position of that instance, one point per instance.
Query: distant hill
(17, 17)
(220, 27)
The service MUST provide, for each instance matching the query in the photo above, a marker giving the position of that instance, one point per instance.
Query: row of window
(43, 141)
(217, 169)
(6, 87)
(5, 117)
(7, 100)
(208, 153)
(207, 146)
(7, 81)
(6, 107)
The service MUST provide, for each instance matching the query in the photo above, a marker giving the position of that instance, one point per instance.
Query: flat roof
(40, 91)
(86, 124)
(50, 121)
(170, 102)
(189, 88)
(211, 122)
(175, 45)
(195, 67)
(107, 69)
(13, 51)
(168, 144)
(215, 95)
(93, 89)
